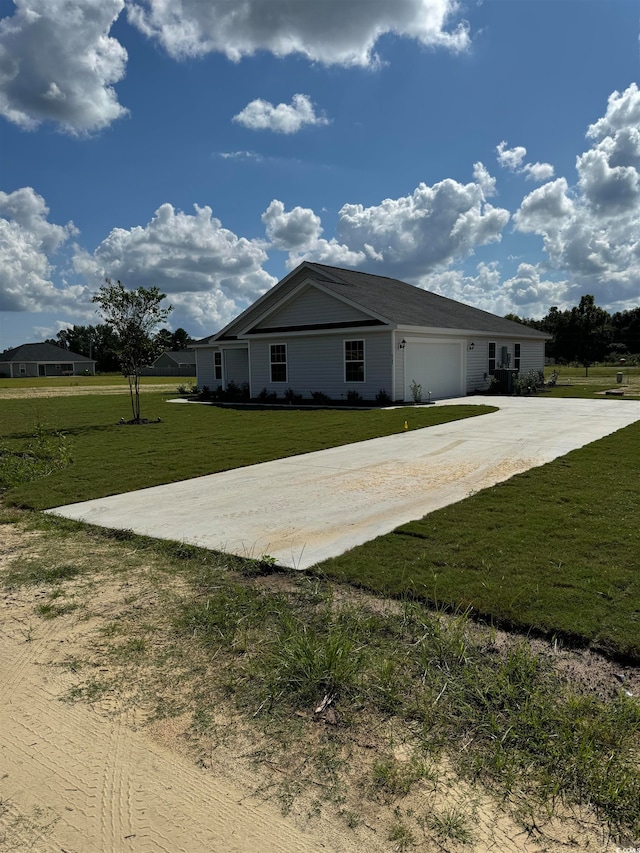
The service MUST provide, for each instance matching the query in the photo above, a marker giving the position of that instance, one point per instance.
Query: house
(44, 360)
(334, 330)
(173, 363)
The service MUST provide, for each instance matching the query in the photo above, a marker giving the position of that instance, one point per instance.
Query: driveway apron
(305, 509)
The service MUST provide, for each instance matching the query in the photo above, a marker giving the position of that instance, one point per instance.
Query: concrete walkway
(304, 509)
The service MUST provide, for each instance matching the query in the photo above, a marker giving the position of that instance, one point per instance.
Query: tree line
(103, 343)
(587, 334)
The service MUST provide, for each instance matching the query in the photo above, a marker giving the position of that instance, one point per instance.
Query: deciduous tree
(134, 315)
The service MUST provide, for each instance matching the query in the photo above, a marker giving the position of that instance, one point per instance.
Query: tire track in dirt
(106, 788)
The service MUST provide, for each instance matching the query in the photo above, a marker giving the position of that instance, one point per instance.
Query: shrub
(267, 396)
(382, 397)
(320, 397)
(527, 382)
(416, 391)
(353, 396)
(291, 397)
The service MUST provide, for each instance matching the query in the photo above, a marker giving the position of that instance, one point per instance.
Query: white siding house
(337, 331)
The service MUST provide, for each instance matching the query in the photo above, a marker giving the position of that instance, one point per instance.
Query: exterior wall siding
(316, 363)
(255, 311)
(204, 369)
(12, 369)
(236, 365)
(531, 358)
(313, 306)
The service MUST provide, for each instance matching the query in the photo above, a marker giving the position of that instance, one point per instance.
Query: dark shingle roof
(41, 352)
(406, 304)
(182, 356)
(398, 302)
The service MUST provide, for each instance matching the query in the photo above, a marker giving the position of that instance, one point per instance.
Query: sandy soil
(85, 778)
(80, 390)
(99, 776)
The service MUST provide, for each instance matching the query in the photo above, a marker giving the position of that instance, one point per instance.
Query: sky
(487, 151)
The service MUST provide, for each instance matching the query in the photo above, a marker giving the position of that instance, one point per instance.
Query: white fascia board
(259, 301)
(306, 333)
(442, 331)
(276, 306)
(352, 304)
(305, 284)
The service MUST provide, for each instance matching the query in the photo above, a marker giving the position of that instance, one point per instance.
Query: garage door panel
(435, 366)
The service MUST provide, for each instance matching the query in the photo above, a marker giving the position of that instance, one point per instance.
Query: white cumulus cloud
(28, 244)
(58, 63)
(591, 232)
(283, 118)
(343, 33)
(511, 159)
(206, 269)
(427, 230)
(300, 228)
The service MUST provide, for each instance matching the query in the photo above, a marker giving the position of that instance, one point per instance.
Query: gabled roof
(407, 305)
(399, 303)
(42, 352)
(182, 356)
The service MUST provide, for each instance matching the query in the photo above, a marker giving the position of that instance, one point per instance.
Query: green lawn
(556, 550)
(190, 440)
(572, 381)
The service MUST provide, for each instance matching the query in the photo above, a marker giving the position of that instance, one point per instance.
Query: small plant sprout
(416, 391)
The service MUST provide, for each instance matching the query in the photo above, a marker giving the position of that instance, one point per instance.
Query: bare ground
(90, 766)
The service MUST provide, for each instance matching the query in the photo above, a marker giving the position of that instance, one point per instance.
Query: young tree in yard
(134, 315)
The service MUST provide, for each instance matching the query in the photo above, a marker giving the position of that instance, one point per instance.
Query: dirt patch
(95, 760)
(79, 391)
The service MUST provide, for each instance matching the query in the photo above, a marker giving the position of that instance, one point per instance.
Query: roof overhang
(305, 284)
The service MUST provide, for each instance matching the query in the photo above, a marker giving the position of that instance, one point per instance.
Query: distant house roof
(393, 300)
(182, 356)
(42, 352)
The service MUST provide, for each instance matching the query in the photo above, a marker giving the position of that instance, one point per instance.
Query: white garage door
(435, 366)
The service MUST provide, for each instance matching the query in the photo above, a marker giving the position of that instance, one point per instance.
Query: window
(217, 366)
(354, 361)
(492, 358)
(516, 356)
(23, 369)
(278, 362)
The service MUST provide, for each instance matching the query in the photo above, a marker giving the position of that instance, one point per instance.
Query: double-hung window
(516, 356)
(492, 358)
(217, 366)
(354, 361)
(278, 356)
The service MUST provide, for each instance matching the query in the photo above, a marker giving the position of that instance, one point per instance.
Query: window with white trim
(217, 366)
(354, 361)
(492, 358)
(278, 358)
(23, 369)
(516, 356)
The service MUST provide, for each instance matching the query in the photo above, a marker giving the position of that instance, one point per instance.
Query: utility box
(619, 377)
(505, 379)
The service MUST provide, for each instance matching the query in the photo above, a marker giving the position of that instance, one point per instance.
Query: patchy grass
(321, 685)
(190, 440)
(553, 550)
(576, 382)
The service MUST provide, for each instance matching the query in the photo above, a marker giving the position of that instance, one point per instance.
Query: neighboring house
(44, 360)
(173, 363)
(335, 330)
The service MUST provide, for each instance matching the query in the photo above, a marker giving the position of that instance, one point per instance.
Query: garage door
(435, 366)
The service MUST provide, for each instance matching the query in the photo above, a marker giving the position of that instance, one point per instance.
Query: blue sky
(487, 151)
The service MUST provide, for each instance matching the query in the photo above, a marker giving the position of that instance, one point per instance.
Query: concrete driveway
(304, 509)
